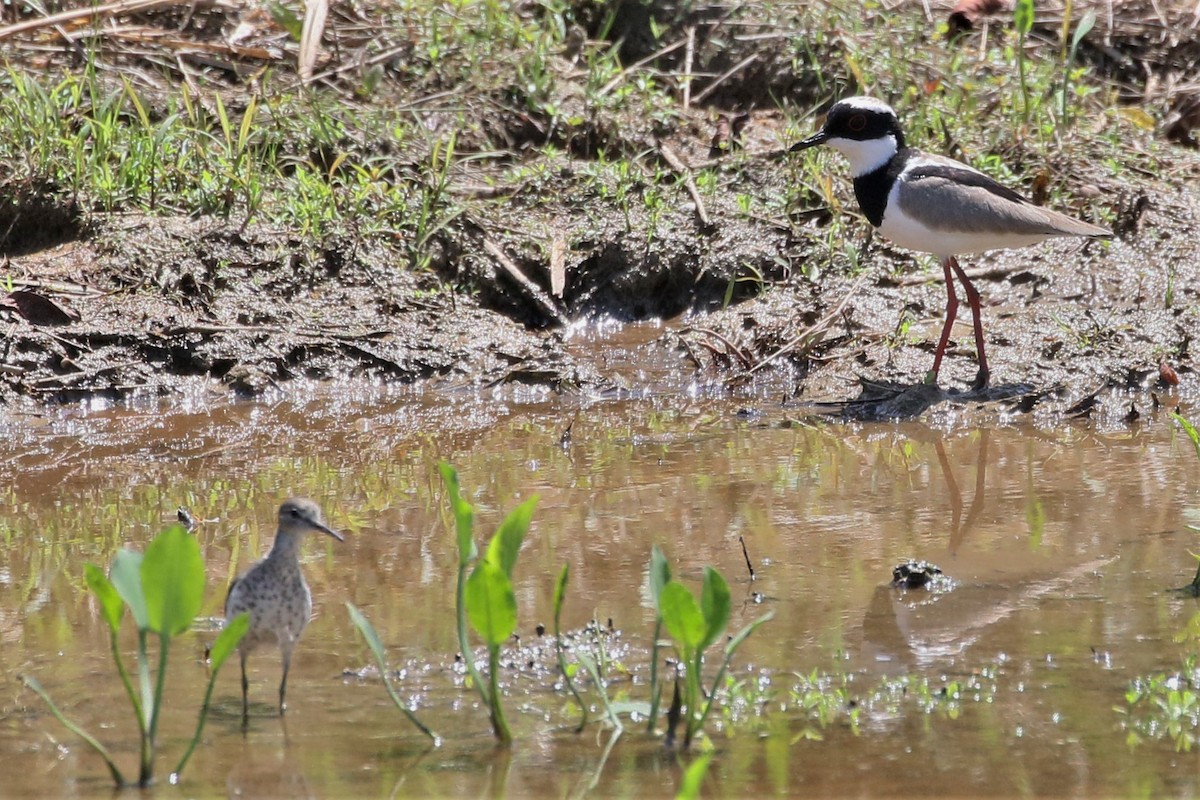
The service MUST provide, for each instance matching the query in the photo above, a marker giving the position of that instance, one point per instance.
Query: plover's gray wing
(946, 195)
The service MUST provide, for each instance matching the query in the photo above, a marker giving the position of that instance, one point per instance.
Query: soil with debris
(112, 304)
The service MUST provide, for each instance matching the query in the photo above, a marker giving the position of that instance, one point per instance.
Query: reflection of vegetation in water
(814, 702)
(1192, 588)
(1165, 705)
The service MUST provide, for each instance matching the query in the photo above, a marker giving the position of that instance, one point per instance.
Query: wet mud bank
(133, 305)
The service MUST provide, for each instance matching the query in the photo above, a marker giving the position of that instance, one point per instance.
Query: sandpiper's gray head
(864, 129)
(301, 515)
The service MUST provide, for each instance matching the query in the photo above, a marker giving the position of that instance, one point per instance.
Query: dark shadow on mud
(34, 217)
(881, 401)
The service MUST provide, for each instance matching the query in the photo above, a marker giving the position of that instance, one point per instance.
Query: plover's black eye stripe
(857, 122)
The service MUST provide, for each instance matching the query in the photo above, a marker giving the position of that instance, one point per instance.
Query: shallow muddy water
(1062, 543)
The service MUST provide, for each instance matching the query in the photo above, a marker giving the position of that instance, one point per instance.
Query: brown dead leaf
(964, 15)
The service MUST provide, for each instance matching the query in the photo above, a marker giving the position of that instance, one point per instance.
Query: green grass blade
(1023, 17)
(1190, 430)
(1082, 29)
(33, 684)
(589, 664)
(655, 689)
(376, 646)
(560, 592)
(222, 647)
(368, 633)
(745, 632)
(660, 573)
(464, 515)
(228, 639)
(499, 723)
(730, 649)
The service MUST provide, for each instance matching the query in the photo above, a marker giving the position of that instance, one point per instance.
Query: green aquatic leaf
(1083, 29)
(745, 632)
(369, 634)
(228, 639)
(376, 645)
(506, 544)
(173, 581)
(126, 577)
(111, 605)
(1190, 430)
(491, 603)
(715, 605)
(660, 573)
(287, 19)
(560, 591)
(464, 515)
(682, 616)
(1023, 16)
(693, 777)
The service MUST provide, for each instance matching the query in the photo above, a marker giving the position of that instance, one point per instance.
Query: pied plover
(934, 204)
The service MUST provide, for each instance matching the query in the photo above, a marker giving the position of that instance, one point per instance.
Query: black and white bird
(934, 204)
(275, 593)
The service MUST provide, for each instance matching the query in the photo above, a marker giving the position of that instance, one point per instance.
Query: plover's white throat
(934, 204)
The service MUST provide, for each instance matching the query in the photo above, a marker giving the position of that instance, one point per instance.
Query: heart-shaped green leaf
(110, 601)
(126, 576)
(173, 581)
(506, 544)
(491, 603)
(715, 604)
(682, 616)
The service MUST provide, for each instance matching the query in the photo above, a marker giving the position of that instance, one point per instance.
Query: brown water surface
(1062, 543)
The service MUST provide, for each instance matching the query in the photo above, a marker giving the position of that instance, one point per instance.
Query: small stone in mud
(248, 380)
(914, 574)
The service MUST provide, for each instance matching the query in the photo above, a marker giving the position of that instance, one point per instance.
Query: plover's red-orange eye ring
(857, 123)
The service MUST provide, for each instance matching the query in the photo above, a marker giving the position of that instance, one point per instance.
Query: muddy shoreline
(158, 299)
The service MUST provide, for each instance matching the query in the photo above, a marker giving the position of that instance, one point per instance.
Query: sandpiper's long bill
(934, 204)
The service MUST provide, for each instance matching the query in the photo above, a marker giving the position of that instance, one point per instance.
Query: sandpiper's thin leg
(951, 313)
(287, 662)
(245, 691)
(981, 377)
